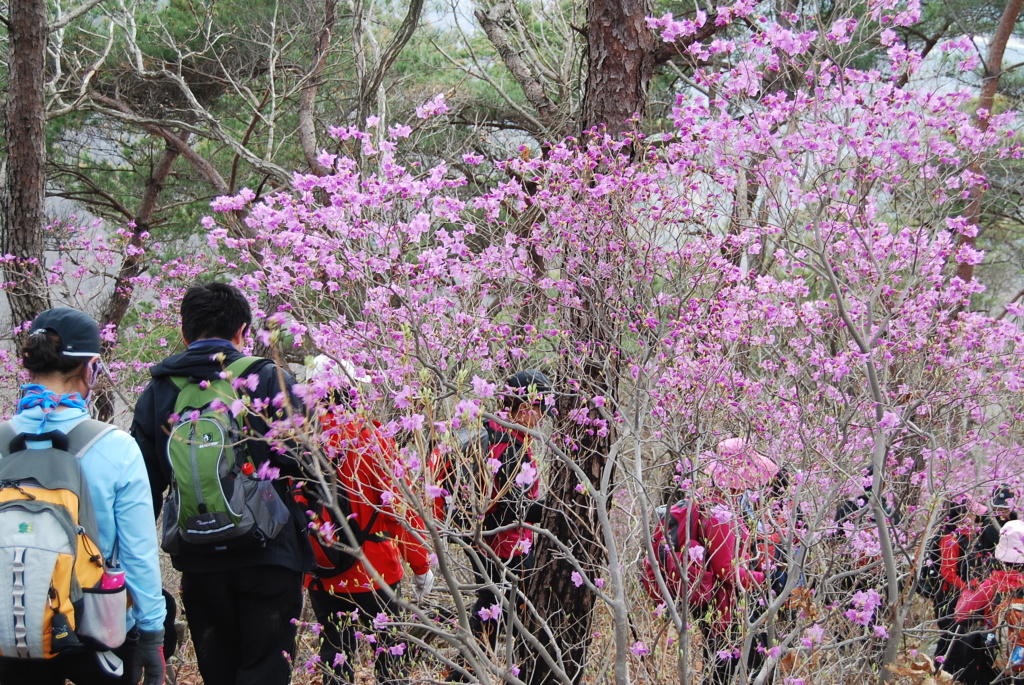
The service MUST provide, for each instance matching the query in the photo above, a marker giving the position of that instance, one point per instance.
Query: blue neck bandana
(40, 396)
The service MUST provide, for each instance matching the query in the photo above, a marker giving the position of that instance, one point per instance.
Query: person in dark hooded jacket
(240, 604)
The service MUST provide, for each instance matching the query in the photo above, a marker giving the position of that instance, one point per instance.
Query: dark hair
(779, 485)
(43, 353)
(956, 513)
(213, 310)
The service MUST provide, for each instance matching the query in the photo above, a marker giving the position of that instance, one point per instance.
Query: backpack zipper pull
(17, 486)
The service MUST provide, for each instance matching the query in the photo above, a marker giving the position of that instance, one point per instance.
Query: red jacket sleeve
(949, 566)
(413, 551)
(402, 519)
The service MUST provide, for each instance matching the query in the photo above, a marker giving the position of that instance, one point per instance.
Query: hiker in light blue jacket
(61, 354)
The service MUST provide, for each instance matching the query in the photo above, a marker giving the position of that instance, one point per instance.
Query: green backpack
(216, 501)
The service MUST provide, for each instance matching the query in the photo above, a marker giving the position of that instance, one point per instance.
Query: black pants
(719, 671)
(81, 668)
(487, 573)
(242, 623)
(723, 645)
(945, 605)
(339, 634)
(970, 658)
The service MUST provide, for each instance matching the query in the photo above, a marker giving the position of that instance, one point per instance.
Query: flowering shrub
(778, 267)
(782, 275)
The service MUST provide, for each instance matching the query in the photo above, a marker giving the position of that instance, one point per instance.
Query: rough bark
(989, 86)
(620, 63)
(492, 22)
(566, 610)
(24, 196)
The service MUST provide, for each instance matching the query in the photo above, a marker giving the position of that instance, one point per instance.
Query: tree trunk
(307, 102)
(620, 64)
(132, 265)
(989, 86)
(566, 610)
(621, 61)
(24, 193)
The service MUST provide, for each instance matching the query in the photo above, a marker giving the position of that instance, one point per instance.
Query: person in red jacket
(354, 599)
(971, 655)
(954, 572)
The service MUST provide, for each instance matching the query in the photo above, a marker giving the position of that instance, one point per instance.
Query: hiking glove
(149, 658)
(422, 585)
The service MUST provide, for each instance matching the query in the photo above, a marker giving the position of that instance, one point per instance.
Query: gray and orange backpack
(52, 598)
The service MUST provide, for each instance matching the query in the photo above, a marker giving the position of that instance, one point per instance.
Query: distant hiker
(345, 595)
(1000, 510)
(952, 544)
(776, 530)
(47, 449)
(855, 539)
(241, 582)
(735, 470)
(854, 512)
(989, 647)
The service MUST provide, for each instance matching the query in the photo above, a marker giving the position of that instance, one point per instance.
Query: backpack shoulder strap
(694, 518)
(86, 434)
(7, 434)
(243, 365)
(497, 437)
(237, 368)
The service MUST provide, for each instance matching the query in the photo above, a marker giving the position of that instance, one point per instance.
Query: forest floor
(913, 668)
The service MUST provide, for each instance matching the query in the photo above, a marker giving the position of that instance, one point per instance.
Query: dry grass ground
(658, 666)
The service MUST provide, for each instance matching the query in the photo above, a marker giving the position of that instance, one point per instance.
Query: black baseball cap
(522, 383)
(1001, 497)
(79, 334)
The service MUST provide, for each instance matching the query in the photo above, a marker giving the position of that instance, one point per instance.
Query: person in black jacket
(999, 512)
(505, 555)
(240, 604)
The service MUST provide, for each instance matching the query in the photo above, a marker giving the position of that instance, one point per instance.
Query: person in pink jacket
(735, 470)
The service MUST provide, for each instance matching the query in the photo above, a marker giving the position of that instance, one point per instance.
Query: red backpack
(1007, 620)
(682, 557)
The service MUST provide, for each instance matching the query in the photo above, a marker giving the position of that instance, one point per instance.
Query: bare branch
(372, 84)
(201, 165)
(532, 86)
(669, 50)
(66, 19)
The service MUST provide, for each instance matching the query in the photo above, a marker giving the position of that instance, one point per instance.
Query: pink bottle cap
(113, 579)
